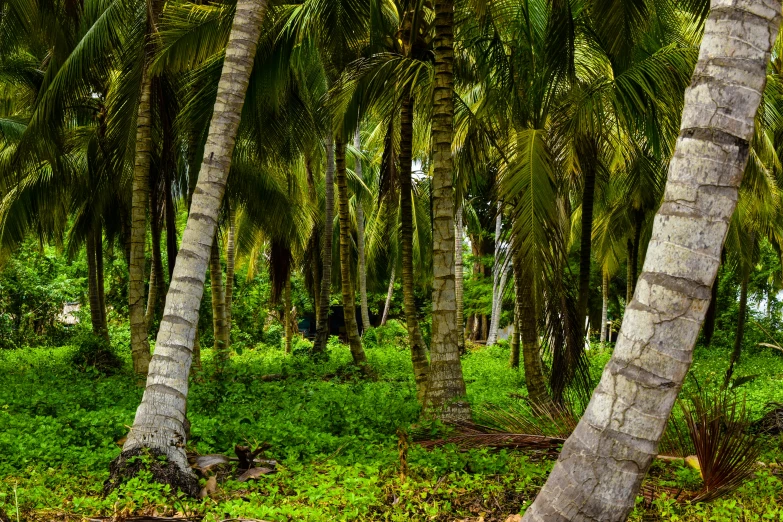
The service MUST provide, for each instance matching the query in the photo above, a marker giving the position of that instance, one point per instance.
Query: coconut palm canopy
(523, 169)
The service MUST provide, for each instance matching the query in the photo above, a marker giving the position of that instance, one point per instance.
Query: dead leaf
(254, 473)
(209, 488)
(514, 518)
(207, 462)
(121, 441)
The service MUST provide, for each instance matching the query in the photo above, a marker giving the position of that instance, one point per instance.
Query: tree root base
(163, 471)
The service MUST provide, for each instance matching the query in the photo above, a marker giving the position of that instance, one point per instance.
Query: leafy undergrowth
(333, 433)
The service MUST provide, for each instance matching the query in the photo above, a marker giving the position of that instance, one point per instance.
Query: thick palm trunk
(349, 307)
(357, 142)
(140, 346)
(160, 419)
(218, 305)
(459, 280)
(389, 294)
(604, 461)
(418, 347)
(230, 265)
(604, 306)
(740, 333)
(587, 150)
(322, 326)
(446, 392)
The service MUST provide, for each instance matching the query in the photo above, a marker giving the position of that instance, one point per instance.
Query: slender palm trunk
(712, 313)
(446, 391)
(389, 294)
(171, 226)
(99, 277)
(316, 255)
(230, 265)
(418, 347)
(498, 272)
(160, 419)
(514, 359)
(637, 239)
(140, 346)
(604, 461)
(157, 286)
(459, 280)
(218, 305)
(604, 305)
(96, 314)
(357, 142)
(588, 157)
(630, 282)
(322, 326)
(349, 307)
(740, 333)
(525, 309)
(289, 333)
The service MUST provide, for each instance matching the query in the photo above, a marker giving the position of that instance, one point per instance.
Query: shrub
(273, 335)
(93, 351)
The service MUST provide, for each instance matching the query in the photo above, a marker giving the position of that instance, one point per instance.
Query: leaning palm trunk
(459, 281)
(389, 294)
(160, 420)
(140, 346)
(418, 348)
(604, 461)
(349, 307)
(445, 386)
(357, 142)
(322, 326)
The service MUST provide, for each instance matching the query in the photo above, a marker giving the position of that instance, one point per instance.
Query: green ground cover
(334, 434)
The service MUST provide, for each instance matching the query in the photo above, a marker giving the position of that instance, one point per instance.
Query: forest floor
(333, 433)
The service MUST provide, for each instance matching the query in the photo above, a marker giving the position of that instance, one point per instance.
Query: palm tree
(603, 463)
(159, 425)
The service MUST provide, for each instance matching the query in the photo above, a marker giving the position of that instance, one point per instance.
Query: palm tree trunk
(315, 260)
(634, 261)
(218, 305)
(630, 282)
(604, 305)
(160, 419)
(322, 326)
(514, 360)
(357, 142)
(446, 393)
(740, 333)
(230, 265)
(171, 226)
(140, 346)
(459, 281)
(587, 158)
(349, 307)
(535, 380)
(289, 334)
(389, 294)
(497, 270)
(418, 347)
(157, 283)
(712, 314)
(604, 461)
(96, 317)
(99, 276)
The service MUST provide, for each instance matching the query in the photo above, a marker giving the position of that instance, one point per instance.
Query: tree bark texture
(389, 294)
(322, 326)
(160, 418)
(171, 225)
(446, 394)
(498, 273)
(418, 347)
(140, 346)
(357, 143)
(231, 257)
(349, 306)
(157, 284)
(535, 380)
(604, 461)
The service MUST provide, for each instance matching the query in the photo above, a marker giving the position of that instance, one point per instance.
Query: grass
(333, 434)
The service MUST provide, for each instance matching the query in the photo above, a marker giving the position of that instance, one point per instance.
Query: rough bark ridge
(445, 385)
(349, 308)
(160, 419)
(322, 327)
(357, 142)
(603, 463)
(418, 347)
(140, 345)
